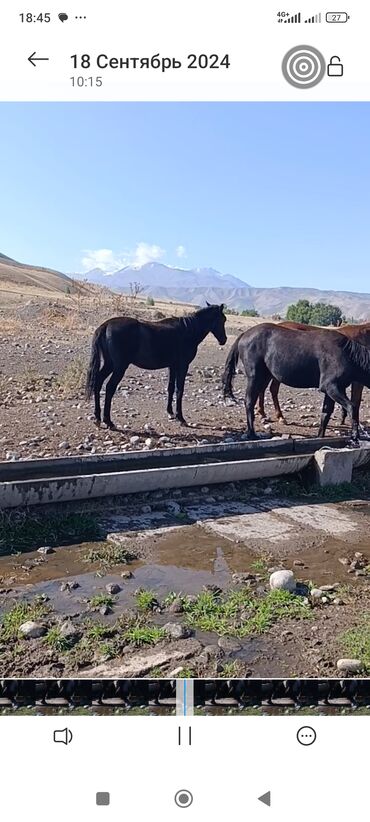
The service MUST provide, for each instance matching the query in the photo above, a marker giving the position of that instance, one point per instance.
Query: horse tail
(360, 357)
(230, 370)
(94, 365)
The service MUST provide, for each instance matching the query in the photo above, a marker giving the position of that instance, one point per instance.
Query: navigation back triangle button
(265, 798)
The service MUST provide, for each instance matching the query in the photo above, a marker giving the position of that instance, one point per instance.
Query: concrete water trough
(35, 482)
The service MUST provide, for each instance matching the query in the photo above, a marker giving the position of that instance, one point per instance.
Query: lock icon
(335, 67)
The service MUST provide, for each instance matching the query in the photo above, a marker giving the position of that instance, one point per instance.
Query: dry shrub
(73, 379)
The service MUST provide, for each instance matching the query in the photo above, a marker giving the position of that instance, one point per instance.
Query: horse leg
(109, 391)
(341, 398)
(261, 404)
(180, 383)
(171, 390)
(103, 374)
(256, 385)
(356, 397)
(327, 410)
(274, 391)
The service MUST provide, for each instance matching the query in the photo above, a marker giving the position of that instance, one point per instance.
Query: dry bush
(10, 325)
(73, 379)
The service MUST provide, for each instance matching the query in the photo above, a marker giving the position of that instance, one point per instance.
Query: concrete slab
(326, 518)
(247, 527)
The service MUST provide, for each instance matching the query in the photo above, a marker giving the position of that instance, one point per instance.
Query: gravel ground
(43, 359)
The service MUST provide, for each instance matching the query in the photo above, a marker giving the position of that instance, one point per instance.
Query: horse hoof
(171, 416)
(97, 423)
(110, 426)
(354, 443)
(182, 422)
(282, 420)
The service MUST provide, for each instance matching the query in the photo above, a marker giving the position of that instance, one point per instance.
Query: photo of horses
(184, 391)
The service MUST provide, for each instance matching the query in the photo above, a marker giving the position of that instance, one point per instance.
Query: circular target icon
(183, 798)
(303, 66)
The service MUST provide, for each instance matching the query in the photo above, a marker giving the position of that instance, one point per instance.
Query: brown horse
(359, 333)
(322, 359)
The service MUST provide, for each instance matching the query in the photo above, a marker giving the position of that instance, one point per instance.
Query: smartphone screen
(185, 410)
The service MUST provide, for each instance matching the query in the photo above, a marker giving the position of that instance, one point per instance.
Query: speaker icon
(65, 736)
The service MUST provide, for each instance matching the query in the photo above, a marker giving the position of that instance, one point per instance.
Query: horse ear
(208, 304)
(222, 306)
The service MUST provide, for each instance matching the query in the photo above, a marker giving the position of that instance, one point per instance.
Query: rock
(64, 445)
(283, 581)
(349, 666)
(344, 560)
(149, 442)
(243, 579)
(46, 549)
(228, 644)
(177, 631)
(68, 630)
(127, 575)
(316, 593)
(142, 662)
(32, 630)
(134, 440)
(172, 506)
(105, 610)
(338, 601)
(113, 588)
(146, 509)
(298, 563)
(176, 672)
(176, 607)
(69, 586)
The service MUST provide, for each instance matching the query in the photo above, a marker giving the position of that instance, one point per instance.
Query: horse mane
(359, 355)
(194, 320)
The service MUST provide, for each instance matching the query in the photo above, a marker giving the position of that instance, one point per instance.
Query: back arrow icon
(32, 58)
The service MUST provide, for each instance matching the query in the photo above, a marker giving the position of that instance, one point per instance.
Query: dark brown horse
(321, 359)
(359, 333)
(171, 344)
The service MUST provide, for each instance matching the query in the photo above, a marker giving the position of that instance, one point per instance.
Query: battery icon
(336, 16)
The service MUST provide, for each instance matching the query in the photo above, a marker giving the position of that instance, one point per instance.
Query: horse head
(217, 324)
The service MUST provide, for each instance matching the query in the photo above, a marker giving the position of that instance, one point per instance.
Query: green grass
(109, 554)
(356, 642)
(95, 632)
(26, 531)
(186, 673)
(240, 613)
(143, 634)
(98, 600)
(232, 670)
(260, 566)
(57, 641)
(22, 612)
(145, 600)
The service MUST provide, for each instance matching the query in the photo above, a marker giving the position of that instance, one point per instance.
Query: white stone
(32, 630)
(283, 581)
(349, 666)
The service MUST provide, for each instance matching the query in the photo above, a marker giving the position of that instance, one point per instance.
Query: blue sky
(274, 193)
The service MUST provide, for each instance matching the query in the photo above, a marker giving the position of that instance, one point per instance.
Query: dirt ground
(198, 559)
(190, 576)
(44, 352)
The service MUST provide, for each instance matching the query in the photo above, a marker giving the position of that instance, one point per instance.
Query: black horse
(171, 343)
(322, 359)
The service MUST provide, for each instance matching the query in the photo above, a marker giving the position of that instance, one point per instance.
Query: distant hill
(200, 284)
(15, 274)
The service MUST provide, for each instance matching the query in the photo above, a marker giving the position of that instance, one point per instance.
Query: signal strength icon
(295, 18)
(316, 18)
